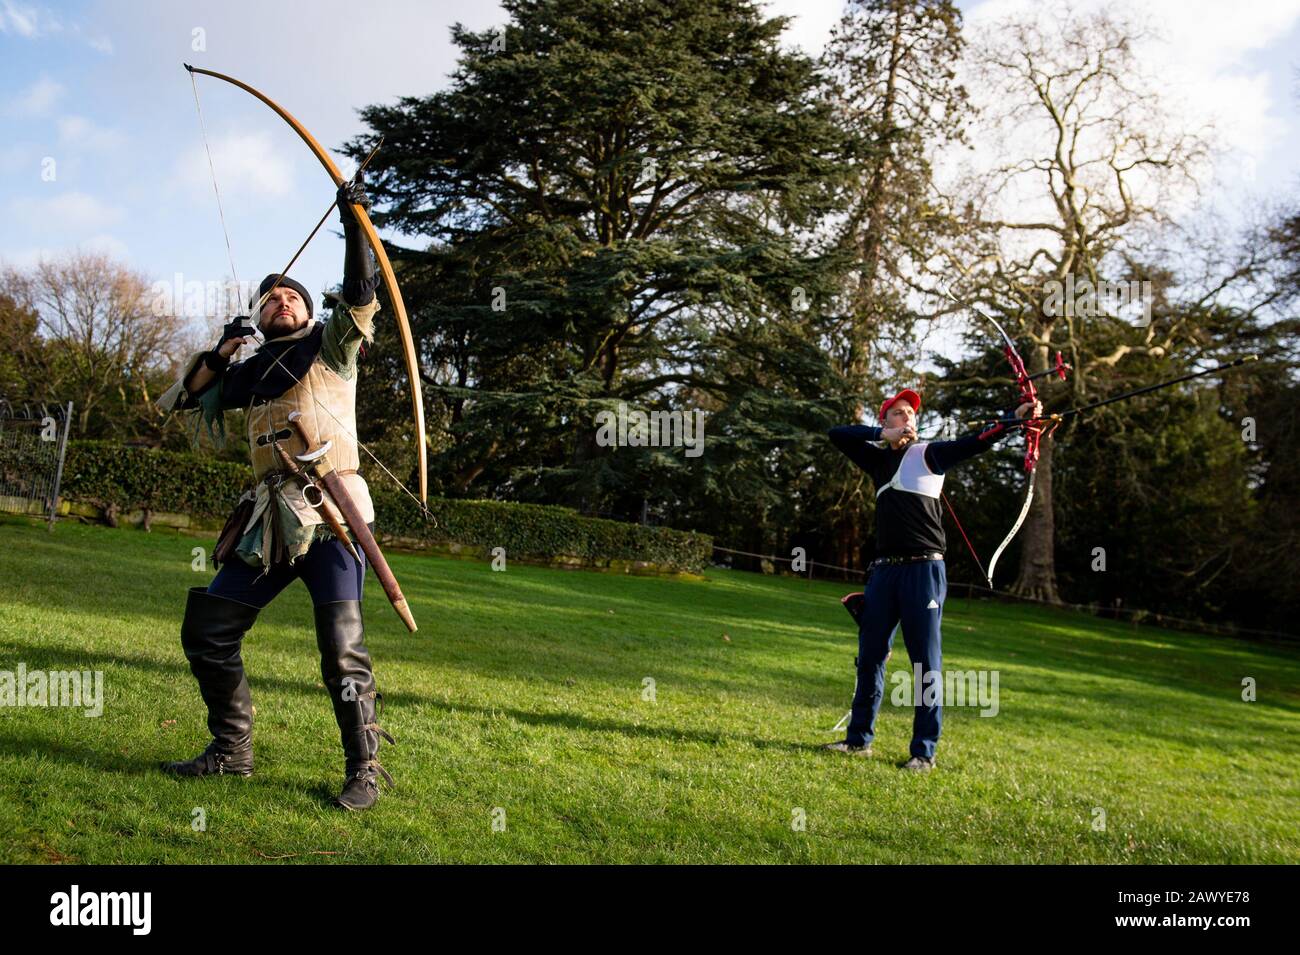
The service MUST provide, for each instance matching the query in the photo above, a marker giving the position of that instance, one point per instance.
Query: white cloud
(79, 132)
(108, 244)
(28, 20)
(1206, 56)
(1203, 54)
(245, 163)
(31, 21)
(812, 21)
(77, 213)
(21, 19)
(37, 99)
(32, 256)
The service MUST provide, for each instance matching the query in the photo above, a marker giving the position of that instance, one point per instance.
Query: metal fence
(801, 565)
(33, 442)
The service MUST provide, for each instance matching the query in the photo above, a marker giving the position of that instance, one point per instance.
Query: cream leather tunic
(326, 398)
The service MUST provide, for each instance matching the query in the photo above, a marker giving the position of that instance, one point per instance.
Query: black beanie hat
(285, 282)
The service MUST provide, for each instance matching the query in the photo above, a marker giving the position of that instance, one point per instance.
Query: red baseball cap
(908, 395)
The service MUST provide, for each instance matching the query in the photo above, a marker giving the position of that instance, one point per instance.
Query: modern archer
(906, 581)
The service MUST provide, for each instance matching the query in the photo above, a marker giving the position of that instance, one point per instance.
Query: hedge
(106, 474)
(539, 530)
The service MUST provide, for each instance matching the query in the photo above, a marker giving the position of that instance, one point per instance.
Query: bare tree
(104, 347)
(1087, 164)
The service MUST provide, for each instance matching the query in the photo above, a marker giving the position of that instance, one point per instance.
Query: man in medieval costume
(304, 370)
(907, 581)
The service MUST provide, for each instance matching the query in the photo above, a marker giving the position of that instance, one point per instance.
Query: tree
(891, 66)
(24, 359)
(612, 192)
(99, 344)
(1093, 167)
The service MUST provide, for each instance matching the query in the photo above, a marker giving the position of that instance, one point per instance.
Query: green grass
(523, 690)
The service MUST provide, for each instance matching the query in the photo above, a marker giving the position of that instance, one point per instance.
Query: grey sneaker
(844, 746)
(919, 764)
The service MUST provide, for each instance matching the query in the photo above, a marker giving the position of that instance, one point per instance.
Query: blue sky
(98, 88)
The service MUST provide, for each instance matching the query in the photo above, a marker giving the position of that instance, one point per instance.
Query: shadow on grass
(566, 720)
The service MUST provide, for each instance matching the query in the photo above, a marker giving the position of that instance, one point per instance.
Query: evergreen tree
(618, 197)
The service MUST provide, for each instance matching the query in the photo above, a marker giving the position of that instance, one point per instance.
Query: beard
(276, 325)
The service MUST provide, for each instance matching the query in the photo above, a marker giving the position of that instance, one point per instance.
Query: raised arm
(855, 442)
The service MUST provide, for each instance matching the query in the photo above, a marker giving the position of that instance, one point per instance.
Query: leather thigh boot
(211, 635)
(346, 673)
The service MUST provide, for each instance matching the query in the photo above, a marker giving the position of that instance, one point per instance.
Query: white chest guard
(914, 475)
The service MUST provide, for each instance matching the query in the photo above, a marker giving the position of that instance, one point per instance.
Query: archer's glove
(349, 193)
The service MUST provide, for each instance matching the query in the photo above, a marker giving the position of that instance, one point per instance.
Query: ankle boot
(211, 635)
(346, 673)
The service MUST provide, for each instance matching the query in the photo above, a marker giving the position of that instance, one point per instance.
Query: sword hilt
(314, 454)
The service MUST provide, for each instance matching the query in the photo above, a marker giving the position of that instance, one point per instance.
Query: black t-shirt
(907, 524)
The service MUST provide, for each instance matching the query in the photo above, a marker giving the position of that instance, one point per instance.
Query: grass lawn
(521, 699)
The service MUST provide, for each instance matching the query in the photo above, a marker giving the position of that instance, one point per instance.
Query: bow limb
(381, 257)
(998, 325)
(1015, 528)
(1033, 433)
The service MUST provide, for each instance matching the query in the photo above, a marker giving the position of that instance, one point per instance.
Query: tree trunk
(1037, 577)
(872, 239)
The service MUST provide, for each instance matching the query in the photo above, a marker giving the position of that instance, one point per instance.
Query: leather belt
(271, 477)
(932, 555)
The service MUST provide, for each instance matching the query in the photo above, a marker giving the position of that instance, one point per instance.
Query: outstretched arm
(942, 455)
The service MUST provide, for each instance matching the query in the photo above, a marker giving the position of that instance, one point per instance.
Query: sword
(312, 495)
(316, 457)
